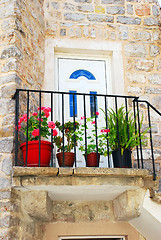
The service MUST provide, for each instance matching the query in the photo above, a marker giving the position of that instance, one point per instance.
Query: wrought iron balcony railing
(109, 130)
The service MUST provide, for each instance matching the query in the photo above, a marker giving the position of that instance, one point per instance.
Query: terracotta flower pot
(92, 159)
(122, 161)
(68, 159)
(33, 153)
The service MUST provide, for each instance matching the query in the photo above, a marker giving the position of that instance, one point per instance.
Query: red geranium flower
(35, 132)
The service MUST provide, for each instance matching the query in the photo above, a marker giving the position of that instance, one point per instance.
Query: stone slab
(35, 171)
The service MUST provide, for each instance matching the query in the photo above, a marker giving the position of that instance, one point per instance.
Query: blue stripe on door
(81, 72)
(71, 105)
(93, 103)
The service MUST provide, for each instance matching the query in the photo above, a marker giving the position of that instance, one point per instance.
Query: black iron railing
(66, 108)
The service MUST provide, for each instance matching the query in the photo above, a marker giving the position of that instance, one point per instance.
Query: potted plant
(90, 151)
(32, 145)
(123, 136)
(65, 155)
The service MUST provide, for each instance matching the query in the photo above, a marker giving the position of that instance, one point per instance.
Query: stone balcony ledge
(50, 176)
(82, 171)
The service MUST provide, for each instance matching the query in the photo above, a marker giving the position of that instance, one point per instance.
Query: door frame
(101, 49)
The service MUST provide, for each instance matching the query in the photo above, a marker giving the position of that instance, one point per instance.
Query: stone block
(151, 21)
(83, 1)
(128, 20)
(65, 171)
(99, 9)
(151, 90)
(7, 10)
(155, 78)
(78, 32)
(4, 183)
(115, 10)
(10, 65)
(7, 106)
(141, 35)
(8, 91)
(55, 5)
(70, 211)
(117, 2)
(63, 32)
(12, 51)
(158, 64)
(134, 90)
(154, 50)
(4, 221)
(40, 201)
(133, 1)
(8, 120)
(130, 9)
(85, 8)
(36, 171)
(135, 50)
(71, 32)
(156, 140)
(5, 195)
(155, 10)
(93, 33)
(68, 6)
(142, 10)
(127, 205)
(6, 145)
(113, 35)
(10, 78)
(123, 32)
(144, 65)
(86, 32)
(136, 77)
(74, 16)
(156, 102)
(7, 165)
(100, 18)
(156, 35)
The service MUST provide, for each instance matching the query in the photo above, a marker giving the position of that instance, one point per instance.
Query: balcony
(101, 124)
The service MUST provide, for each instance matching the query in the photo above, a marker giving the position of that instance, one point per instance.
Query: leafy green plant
(91, 136)
(70, 139)
(122, 130)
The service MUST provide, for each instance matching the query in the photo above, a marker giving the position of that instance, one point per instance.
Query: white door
(82, 75)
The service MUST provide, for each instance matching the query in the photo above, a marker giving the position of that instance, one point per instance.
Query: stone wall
(133, 23)
(21, 66)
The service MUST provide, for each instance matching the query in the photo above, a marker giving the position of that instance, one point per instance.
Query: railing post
(28, 95)
(63, 125)
(151, 143)
(141, 152)
(109, 164)
(39, 129)
(16, 125)
(52, 130)
(96, 129)
(137, 150)
(127, 118)
(74, 130)
(85, 129)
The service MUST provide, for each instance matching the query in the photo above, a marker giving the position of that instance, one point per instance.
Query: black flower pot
(122, 161)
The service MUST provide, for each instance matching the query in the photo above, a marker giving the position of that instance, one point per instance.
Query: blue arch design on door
(81, 72)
